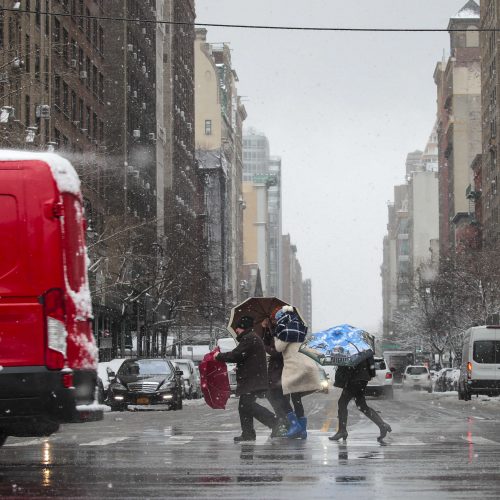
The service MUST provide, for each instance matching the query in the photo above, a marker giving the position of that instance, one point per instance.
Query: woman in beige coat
(300, 373)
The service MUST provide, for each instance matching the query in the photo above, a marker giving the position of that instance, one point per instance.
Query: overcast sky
(342, 110)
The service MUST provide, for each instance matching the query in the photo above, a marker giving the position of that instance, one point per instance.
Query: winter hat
(281, 312)
(245, 322)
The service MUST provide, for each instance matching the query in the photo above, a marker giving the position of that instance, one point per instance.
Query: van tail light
(54, 312)
(388, 375)
(67, 379)
(469, 370)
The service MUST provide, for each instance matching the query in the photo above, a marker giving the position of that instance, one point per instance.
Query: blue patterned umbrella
(341, 345)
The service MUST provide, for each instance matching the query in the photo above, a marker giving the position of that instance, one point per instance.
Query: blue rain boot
(303, 424)
(295, 428)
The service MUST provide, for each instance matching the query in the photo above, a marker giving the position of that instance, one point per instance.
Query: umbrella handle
(356, 347)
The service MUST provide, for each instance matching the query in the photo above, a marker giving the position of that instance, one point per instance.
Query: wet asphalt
(439, 448)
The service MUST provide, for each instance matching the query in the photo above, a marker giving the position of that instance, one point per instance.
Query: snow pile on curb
(95, 406)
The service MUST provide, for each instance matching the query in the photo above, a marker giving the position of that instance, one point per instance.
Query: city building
(396, 269)
(486, 192)
(256, 226)
(218, 134)
(260, 167)
(458, 82)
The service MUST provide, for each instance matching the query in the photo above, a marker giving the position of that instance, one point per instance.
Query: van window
(74, 248)
(486, 351)
(380, 365)
(9, 234)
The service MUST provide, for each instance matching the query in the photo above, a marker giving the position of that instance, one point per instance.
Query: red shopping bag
(214, 381)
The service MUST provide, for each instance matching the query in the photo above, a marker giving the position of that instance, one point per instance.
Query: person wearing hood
(300, 375)
(251, 379)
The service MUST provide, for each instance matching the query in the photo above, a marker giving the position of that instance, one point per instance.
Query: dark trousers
(281, 403)
(250, 409)
(356, 390)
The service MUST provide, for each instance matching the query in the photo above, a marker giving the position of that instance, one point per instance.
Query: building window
(28, 54)
(65, 98)
(208, 127)
(57, 91)
(27, 110)
(65, 45)
(81, 109)
(73, 106)
(37, 12)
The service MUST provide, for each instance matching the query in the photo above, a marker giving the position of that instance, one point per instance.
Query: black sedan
(145, 382)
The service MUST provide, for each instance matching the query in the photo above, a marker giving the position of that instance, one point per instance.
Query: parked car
(480, 369)
(190, 378)
(451, 379)
(48, 353)
(103, 379)
(231, 373)
(417, 377)
(324, 378)
(441, 383)
(145, 382)
(383, 382)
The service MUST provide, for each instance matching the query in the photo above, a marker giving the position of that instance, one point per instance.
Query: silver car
(190, 378)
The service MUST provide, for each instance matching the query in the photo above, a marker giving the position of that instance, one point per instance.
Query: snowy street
(439, 448)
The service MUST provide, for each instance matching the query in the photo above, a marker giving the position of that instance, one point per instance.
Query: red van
(47, 350)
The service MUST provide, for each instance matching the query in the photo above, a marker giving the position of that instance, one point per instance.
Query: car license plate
(142, 401)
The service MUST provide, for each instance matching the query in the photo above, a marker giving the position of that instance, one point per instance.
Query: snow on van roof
(64, 174)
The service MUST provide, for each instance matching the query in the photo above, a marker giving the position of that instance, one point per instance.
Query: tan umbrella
(259, 308)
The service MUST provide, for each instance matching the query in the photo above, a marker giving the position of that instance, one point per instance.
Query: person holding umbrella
(353, 381)
(351, 349)
(251, 379)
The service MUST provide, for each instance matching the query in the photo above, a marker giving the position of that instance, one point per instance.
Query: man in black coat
(353, 381)
(251, 378)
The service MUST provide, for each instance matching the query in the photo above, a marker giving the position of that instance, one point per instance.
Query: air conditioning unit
(129, 88)
(74, 63)
(130, 47)
(83, 75)
(136, 133)
(143, 68)
(134, 94)
(144, 106)
(144, 31)
(134, 55)
(189, 126)
(43, 111)
(152, 136)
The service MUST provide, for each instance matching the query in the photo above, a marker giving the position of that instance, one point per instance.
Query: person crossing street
(251, 379)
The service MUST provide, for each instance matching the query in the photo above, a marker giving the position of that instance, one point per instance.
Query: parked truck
(398, 361)
(47, 350)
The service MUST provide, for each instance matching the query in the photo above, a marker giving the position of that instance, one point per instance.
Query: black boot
(384, 429)
(377, 420)
(341, 434)
(245, 436)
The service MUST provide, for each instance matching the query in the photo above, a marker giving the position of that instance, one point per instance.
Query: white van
(480, 369)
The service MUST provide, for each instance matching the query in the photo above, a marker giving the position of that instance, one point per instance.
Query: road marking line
(105, 441)
(478, 440)
(329, 417)
(31, 442)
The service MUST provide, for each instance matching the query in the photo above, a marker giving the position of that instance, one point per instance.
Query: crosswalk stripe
(105, 441)
(478, 440)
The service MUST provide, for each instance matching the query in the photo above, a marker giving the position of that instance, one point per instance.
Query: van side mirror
(111, 373)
